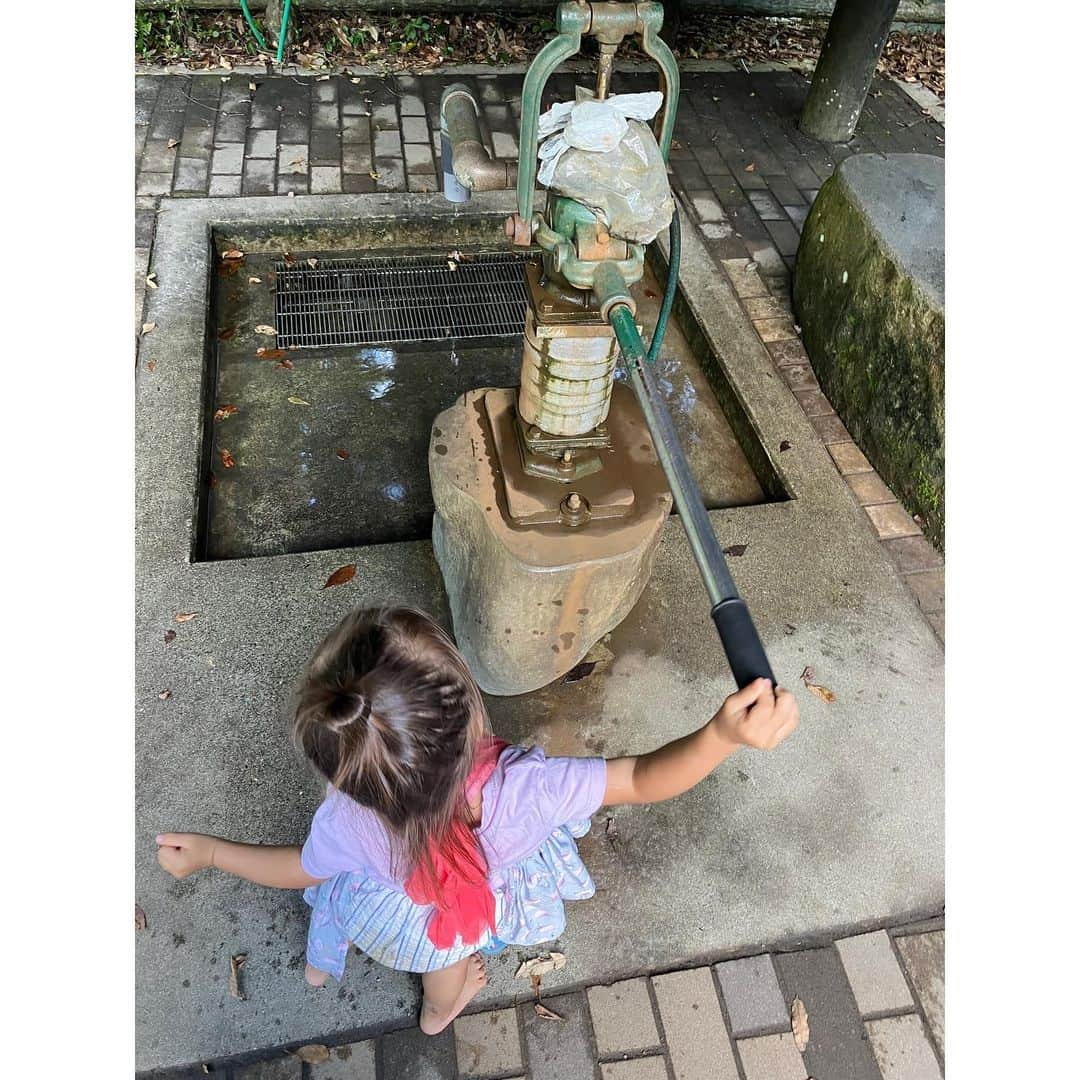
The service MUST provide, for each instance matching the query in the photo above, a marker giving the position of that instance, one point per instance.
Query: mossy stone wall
(872, 315)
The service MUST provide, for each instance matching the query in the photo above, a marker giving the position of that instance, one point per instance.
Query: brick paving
(747, 176)
(874, 1004)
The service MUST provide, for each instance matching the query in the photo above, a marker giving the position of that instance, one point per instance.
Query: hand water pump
(565, 440)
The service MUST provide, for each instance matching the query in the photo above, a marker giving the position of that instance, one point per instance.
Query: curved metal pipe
(469, 161)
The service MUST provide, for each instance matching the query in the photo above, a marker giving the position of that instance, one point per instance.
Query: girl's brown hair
(391, 715)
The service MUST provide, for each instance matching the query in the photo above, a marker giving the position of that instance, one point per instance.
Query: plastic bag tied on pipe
(603, 154)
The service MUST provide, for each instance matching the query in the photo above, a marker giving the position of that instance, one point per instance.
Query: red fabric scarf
(463, 900)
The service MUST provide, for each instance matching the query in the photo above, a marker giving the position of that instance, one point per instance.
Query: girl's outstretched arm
(184, 853)
(755, 716)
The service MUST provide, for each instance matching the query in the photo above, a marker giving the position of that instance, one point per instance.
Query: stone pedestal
(869, 294)
(529, 601)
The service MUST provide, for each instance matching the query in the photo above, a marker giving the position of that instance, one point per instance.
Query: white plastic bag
(602, 154)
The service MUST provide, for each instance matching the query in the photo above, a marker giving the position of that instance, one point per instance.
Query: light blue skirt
(384, 923)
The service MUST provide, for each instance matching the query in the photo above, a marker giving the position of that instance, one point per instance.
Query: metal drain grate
(402, 298)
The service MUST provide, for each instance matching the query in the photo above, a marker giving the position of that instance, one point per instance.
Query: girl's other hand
(758, 716)
(184, 853)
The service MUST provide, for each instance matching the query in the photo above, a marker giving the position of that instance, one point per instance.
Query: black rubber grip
(739, 636)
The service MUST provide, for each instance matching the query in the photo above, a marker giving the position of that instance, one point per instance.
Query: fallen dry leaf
(288, 365)
(251, 86)
(224, 412)
(140, 918)
(784, 445)
(232, 253)
(373, 174)
(151, 280)
(800, 1024)
(298, 401)
(164, 695)
(148, 326)
(269, 331)
(822, 692)
(254, 280)
(186, 616)
(541, 965)
(545, 1013)
(170, 635)
(172, 143)
(735, 550)
(341, 575)
(151, 364)
(228, 332)
(343, 454)
(227, 459)
(321, 78)
(313, 1053)
(313, 263)
(749, 168)
(235, 964)
(269, 354)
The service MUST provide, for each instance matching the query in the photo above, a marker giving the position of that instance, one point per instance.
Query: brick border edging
(762, 1022)
(919, 563)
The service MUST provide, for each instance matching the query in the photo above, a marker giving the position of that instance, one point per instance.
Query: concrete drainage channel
(841, 828)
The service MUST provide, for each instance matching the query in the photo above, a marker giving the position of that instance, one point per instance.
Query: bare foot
(315, 977)
(433, 1020)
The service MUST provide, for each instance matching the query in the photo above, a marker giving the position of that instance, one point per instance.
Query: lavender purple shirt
(526, 798)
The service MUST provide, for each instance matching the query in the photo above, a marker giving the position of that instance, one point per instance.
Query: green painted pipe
(260, 40)
(674, 258)
(570, 20)
(652, 17)
(283, 32)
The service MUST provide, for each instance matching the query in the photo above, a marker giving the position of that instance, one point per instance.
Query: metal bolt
(567, 456)
(573, 500)
(534, 432)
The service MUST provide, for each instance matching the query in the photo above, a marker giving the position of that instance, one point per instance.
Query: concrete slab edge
(832, 432)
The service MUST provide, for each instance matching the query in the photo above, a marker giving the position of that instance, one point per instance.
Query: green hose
(251, 26)
(674, 257)
(283, 33)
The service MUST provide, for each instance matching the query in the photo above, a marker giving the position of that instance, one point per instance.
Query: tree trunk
(853, 45)
(274, 10)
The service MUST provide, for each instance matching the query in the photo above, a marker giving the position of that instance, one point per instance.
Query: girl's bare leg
(448, 991)
(315, 977)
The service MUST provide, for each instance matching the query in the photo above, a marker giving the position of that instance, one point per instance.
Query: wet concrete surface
(314, 449)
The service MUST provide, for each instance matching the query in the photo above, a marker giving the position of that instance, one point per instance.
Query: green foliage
(179, 31)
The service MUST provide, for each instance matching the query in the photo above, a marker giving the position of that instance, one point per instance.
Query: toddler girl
(437, 842)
